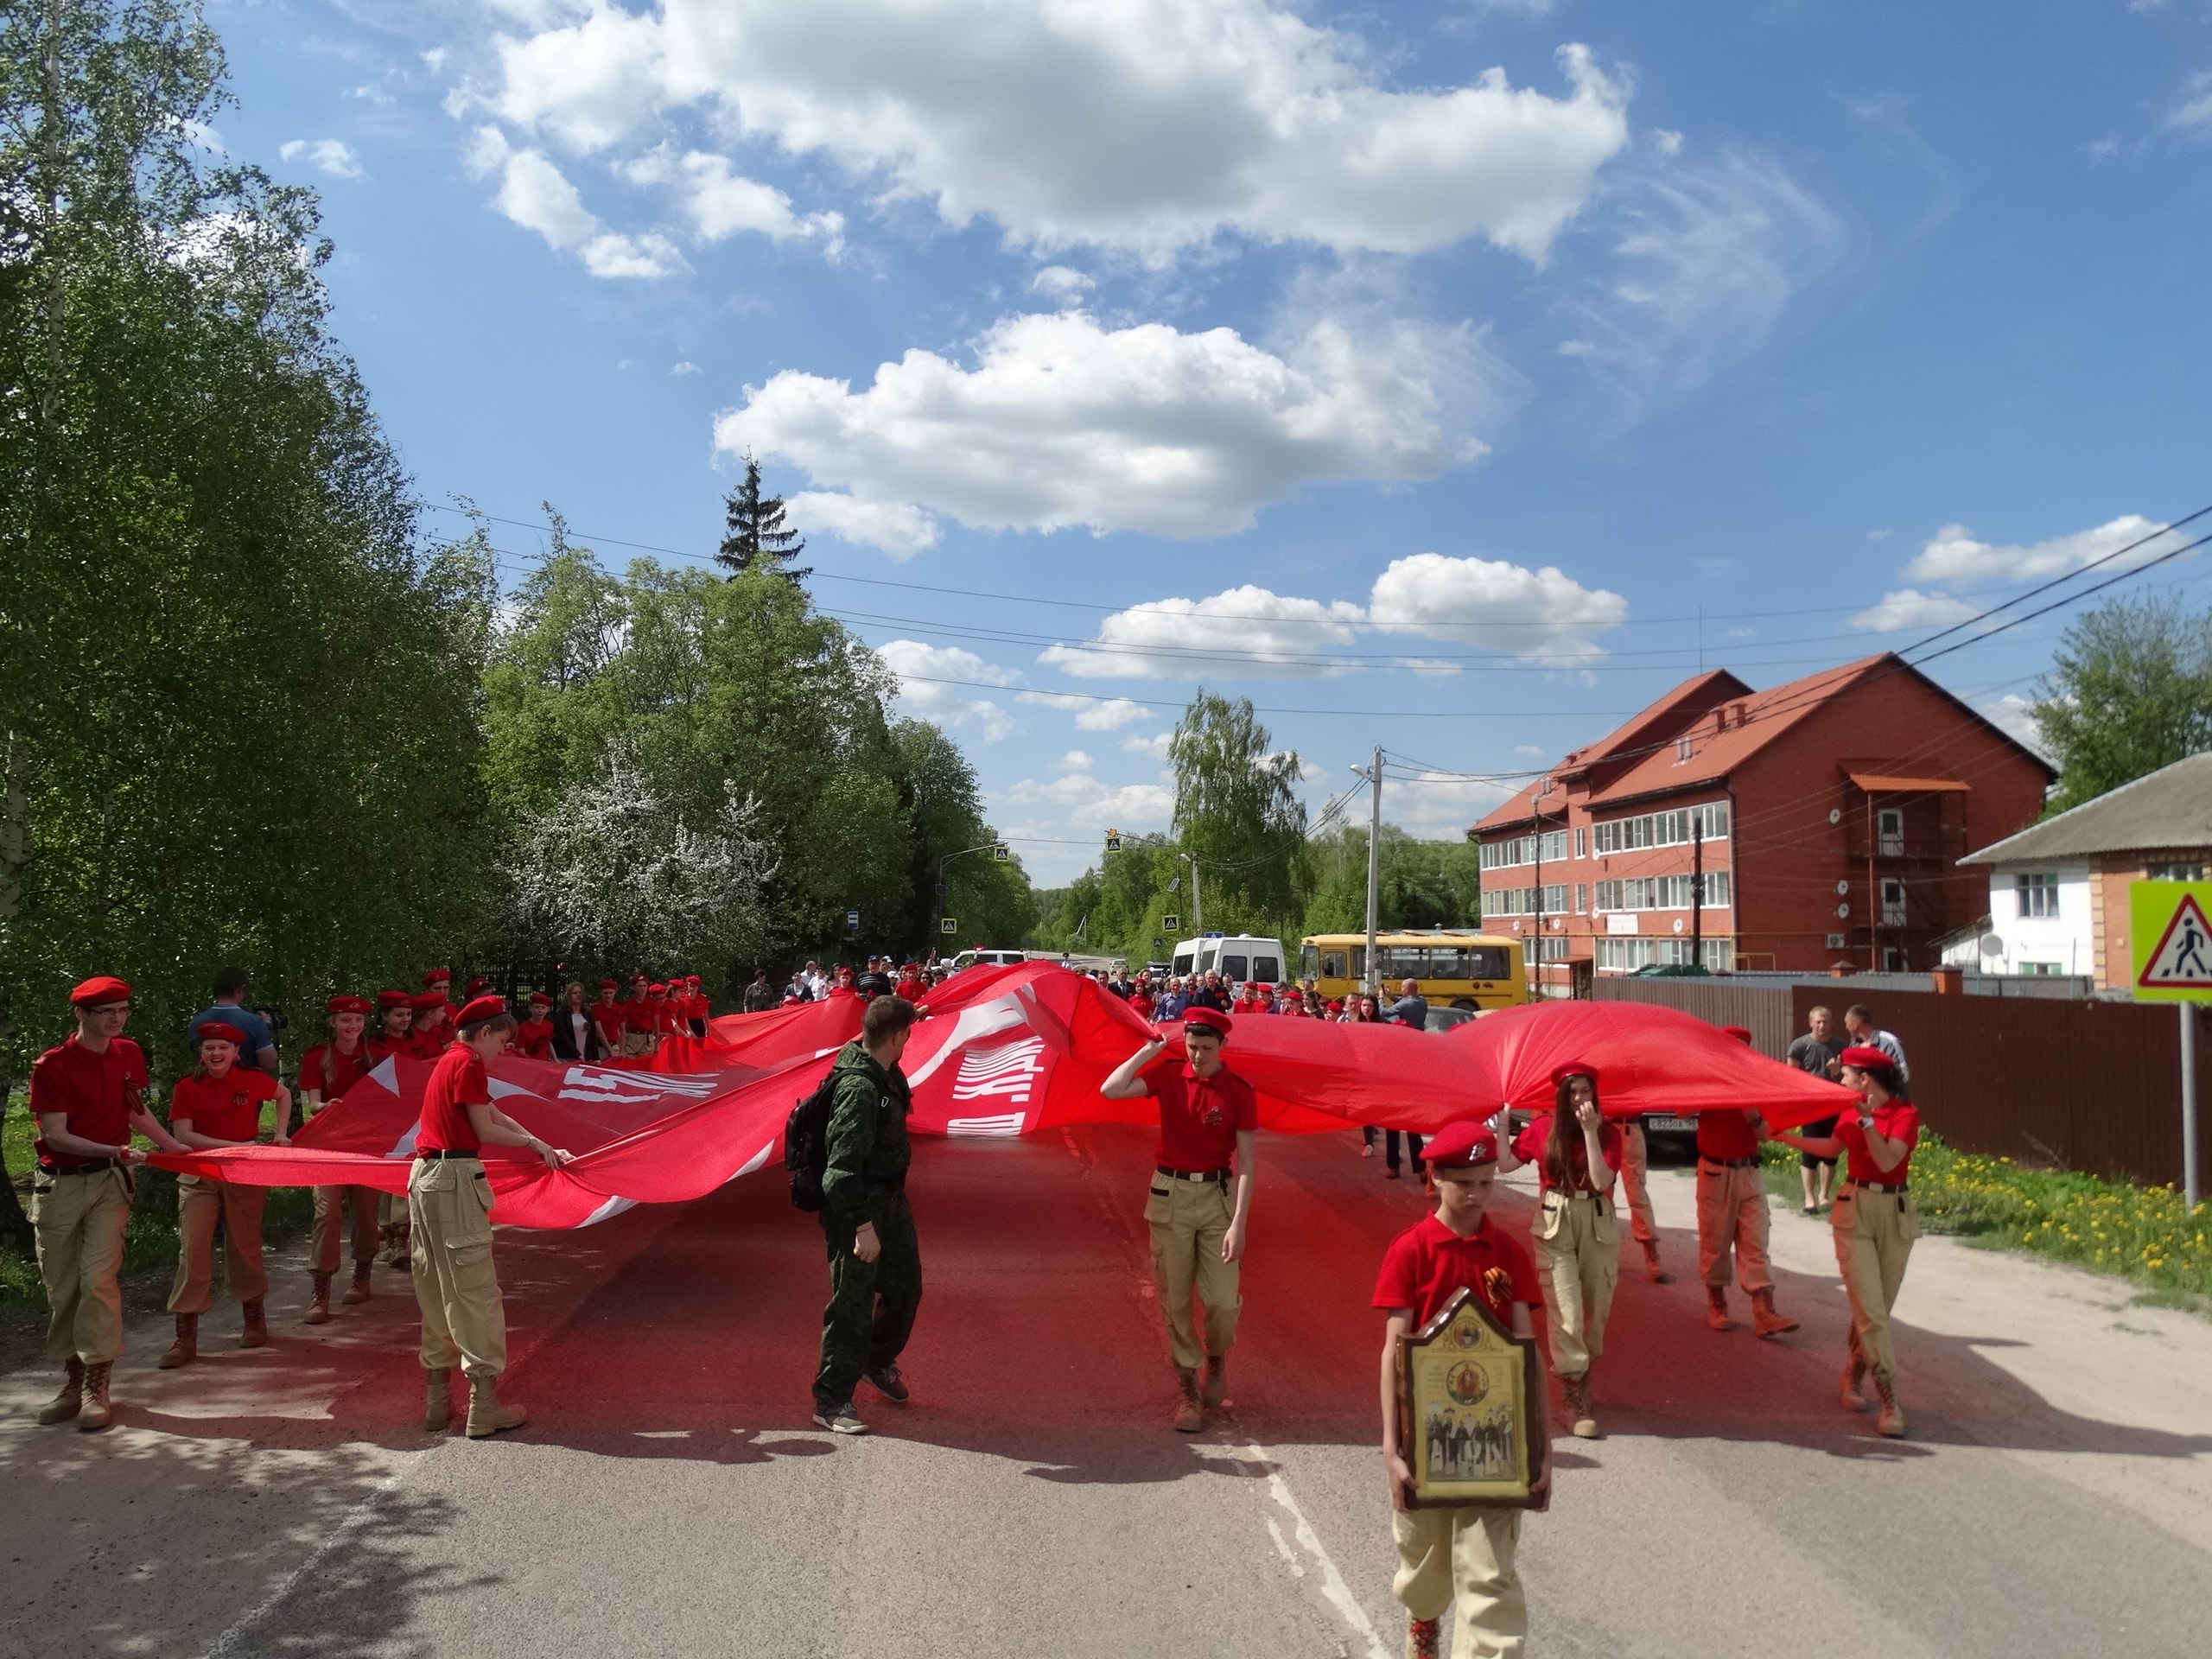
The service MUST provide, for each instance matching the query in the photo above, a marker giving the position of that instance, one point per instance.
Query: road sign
(1172, 924)
(2171, 938)
(949, 925)
(1002, 852)
(1113, 840)
(852, 924)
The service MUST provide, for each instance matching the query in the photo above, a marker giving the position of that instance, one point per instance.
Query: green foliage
(1421, 883)
(755, 536)
(1236, 809)
(2130, 692)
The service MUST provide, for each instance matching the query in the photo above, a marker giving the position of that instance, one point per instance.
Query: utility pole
(1536, 965)
(1373, 976)
(1697, 887)
(1197, 904)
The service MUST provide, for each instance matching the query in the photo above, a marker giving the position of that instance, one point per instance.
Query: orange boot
(1764, 1319)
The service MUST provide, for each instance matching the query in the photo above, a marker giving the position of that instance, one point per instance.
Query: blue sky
(1455, 378)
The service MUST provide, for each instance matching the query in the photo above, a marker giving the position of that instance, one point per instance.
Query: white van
(989, 958)
(1237, 957)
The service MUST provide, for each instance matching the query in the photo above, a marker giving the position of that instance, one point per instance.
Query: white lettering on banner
(1006, 1071)
(1009, 1125)
(982, 1019)
(631, 1088)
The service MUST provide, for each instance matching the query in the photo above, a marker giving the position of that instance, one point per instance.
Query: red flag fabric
(1649, 1059)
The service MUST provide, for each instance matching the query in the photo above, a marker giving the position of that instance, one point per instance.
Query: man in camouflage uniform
(875, 1263)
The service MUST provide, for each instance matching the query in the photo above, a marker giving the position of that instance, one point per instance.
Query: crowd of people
(90, 1094)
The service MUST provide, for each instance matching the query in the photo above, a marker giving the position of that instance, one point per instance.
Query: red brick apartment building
(1825, 817)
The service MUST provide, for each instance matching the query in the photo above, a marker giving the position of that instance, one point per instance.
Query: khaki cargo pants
(362, 1206)
(201, 1201)
(1577, 1240)
(1873, 1234)
(80, 1221)
(1732, 1216)
(1635, 1166)
(1465, 1554)
(464, 1321)
(1189, 1220)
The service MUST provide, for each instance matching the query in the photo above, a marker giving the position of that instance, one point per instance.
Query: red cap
(426, 1000)
(1463, 1144)
(481, 1008)
(656, 989)
(690, 979)
(1863, 1055)
(1742, 1035)
(477, 984)
(437, 974)
(106, 988)
(346, 1005)
(541, 999)
(1567, 1069)
(637, 979)
(609, 985)
(1335, 1007)
(1212, 1020)
(221, 1031)
(394, 1000)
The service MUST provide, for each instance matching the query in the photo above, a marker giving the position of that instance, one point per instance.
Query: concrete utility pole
(1373, 976)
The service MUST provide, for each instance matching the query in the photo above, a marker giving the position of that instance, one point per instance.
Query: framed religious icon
(1469, 1419)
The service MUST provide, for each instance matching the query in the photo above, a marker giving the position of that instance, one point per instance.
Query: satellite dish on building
(1835, 815)
(1842, 889)
(1842, 911)
(1990, 945)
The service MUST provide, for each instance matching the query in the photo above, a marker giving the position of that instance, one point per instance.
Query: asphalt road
(670, 1494)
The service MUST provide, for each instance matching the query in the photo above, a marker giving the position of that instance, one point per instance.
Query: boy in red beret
(1464, 1552)
(534, 1036)
(1209, 1119)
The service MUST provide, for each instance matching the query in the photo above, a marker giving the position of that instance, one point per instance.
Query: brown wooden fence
(2089, 1086)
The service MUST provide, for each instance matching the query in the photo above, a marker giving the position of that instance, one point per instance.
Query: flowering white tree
(612, 873)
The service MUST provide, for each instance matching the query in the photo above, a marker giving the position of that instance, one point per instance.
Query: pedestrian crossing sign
(2171, 938)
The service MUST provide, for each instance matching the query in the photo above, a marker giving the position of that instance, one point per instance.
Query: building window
(1675, 828)
(1581, 899)
(2038, 894)
(1626, 956)
(1581, 844)
(1892, 902)
(1662, 891)
(1889, 830)
(2180, 872)
(1683, 749)
(2050, 970)
(1893, 959)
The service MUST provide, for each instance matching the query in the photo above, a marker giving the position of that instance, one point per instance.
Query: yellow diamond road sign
(2170, 929)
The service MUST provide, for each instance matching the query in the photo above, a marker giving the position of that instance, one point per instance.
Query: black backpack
(806, 1143)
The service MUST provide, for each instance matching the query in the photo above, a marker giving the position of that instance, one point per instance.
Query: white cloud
(922, 671)
(1059, 282)
(1244, 631)
(1063, 423)
(1095, 804)
(2192, 113)
(1489, 604)
(684, 368)
(435, 59)
(1091, 714)
(898, 528)
(537, 195)
(1439, 805)
(1074, 760)
(1907, 607)
(1155, 746)
(1147, 125)
(333, 156)
(1955, 558)
(1879, 535)
(722, 201)
(2012, 714)
(1527, 748)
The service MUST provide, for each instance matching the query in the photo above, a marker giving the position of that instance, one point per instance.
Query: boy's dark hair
(477, 1028)
(886, 1016)
(230, 981)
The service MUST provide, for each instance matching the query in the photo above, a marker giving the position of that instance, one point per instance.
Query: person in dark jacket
(760, 996)
(875, 1263)
(575, 1033)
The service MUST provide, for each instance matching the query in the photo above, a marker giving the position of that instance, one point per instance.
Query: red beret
(346, 1005)
(1567, 1069)
(693, 979)
(1739, 1033)
(477, 984)
(1863, 1055)
(437, 973)
(221, 1031)
(106, 988)
(609, 985)
(1203, 1019)
(656, 989)
(427, 1000)
(636, 979)
(1463, 1144)
(537, 997)
(480, 1008)
(394, 1000)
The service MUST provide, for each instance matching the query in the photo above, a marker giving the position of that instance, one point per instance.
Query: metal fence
(2089, 1084)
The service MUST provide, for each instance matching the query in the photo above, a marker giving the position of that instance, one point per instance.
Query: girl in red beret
(218, 1104)
(327, 1071)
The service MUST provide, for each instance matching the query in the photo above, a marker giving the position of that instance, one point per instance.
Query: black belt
(1877, 1186)
(1221, 1175)
(442, 1152)
(83, 1169)
(1729, 1163)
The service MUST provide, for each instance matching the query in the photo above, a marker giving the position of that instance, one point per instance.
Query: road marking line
(1333, 1588)
(1282, 1548)
(356, 1518)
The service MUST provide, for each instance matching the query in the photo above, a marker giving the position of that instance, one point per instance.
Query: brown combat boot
(1716, 1313)
(1854, 1373)
(319, 1307)
(256, 1334)
(67, 1404)
(185, 1347)
(1578, 1414)
(1658, 1274)
(1189, 1419)
(1216, 1382)
(99, 1412)
(359, 1292)
(1423, 1636)
(1891, 1421)
(1765, 1320)
(437, 1400)
(488, 1412)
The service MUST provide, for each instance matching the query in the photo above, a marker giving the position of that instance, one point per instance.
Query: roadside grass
(149, 1243)
(2141, 1234)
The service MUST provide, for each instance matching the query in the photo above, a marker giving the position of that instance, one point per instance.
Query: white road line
(1333, 1588)
(356, 1518)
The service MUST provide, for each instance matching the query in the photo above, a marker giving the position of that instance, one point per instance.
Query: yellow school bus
(1481, 970)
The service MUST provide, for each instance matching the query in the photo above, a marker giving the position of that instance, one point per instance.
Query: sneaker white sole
(835, 1428)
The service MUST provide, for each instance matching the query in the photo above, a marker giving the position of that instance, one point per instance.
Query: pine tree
(757, 538)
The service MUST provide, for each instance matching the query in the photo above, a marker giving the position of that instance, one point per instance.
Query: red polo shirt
(95, 1093)
(610, 1018)
(227, 1107)
(1898, 1120)
(459, 1083)
(1725, 1136)
(1528, 1147)
(1199, 1118)
(1428, 1264)
(343, 1072)
(640, 1016)
(534, 1039)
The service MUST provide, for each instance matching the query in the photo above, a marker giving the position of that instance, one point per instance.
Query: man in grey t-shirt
(1816, 1053)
